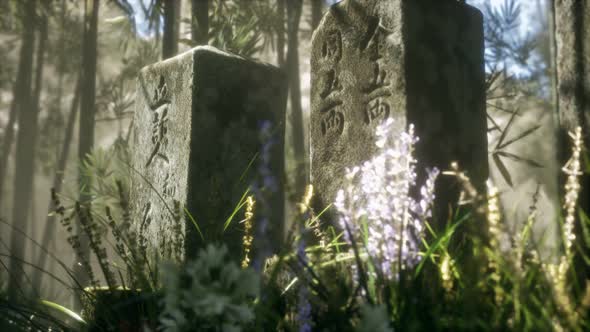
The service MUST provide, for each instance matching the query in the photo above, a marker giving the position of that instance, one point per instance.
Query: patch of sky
(143, 26)
(528, 24)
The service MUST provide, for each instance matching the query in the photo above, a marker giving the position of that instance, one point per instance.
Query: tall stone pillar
(416, 61)
(197, 148)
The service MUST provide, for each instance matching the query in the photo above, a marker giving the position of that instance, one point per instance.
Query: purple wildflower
(303, 310)
(264, 187)
(378, 194)
(303, 305)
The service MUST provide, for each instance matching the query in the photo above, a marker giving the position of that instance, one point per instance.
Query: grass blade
(190, 216)
(63, 310)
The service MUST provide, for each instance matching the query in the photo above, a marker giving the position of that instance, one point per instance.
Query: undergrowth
(382, 266)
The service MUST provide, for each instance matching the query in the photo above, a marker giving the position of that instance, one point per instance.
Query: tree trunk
(553, 61)
(61, 65)
(87, 121)
(43, 26)
(88, 88)
(200, 22)
(281, 33)
(293, 18)
(157, 31)
(9, 131)
(572, 24)
(25, 154)
(316, 13)
(171, 20)
(572, 65)
(50, 221)
(21, 85)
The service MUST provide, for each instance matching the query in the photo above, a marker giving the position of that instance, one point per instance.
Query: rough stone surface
(572, 63)
(572, 41)
(195, 148)
(419, 62)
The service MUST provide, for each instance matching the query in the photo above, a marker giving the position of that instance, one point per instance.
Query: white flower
(378, 193)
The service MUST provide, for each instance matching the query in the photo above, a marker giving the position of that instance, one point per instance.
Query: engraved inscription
(146, 213)
(377, 106)
(169, 187)
(330, 83)
(156, 208)
(379, 79)
(377, 109)
(159, 108)
(372, 29)
(332, 46)
(161, 95)
(333, 123)
(372, 42)
(159, 134)
(146, 220)
(331, 105)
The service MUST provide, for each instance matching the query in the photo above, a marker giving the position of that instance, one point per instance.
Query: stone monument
(196, 146)
(416, 61)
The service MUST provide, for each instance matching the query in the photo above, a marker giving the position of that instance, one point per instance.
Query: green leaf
(63, 310)
(502, 168)
(245, 172)
(514, 157)
(190, 216)
(519, 137)
(495, 125)
(585, 223)
(506, 129)
(440, 241)
(238, 207)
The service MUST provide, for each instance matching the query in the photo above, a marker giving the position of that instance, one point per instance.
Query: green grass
(462, 283)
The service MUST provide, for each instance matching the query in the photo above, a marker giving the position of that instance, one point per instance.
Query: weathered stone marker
(417, 61)
(195, 148)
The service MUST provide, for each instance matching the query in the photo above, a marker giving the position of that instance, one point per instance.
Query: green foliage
(38, 316)
(506, 47)
(241, 26)
(6, 72)
(499, 149)
(107, 167)
(463, 283)
(506, 91)
(210, 292)
(373, 319)
(64, 48)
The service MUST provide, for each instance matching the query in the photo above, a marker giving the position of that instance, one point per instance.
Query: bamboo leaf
(492, 78)
(514, 157)
(502, 168)
(520, 136)
(494, 124)
(506, 129)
